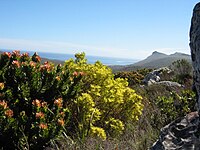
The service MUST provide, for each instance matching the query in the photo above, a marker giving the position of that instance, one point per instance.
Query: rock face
(184, 133)
(154, 77)
(195, 49)
(169, 83)
(181, 134)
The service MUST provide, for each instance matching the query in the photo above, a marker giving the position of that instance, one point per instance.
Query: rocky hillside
(155, 60)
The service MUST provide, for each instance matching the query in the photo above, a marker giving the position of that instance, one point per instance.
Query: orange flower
(62, 114)
(9, 113)
(16, 63)
(46, 66)
(4, 104)
(32, 64)
(1, 85)
(43, 126)
(8, 54)
(24, 63)
(75, 73)
(37, 103)
(16, 53)
(44, 104)
(25, 55)
(58, 102)
(61, 122)
(38, 59)
(58, 78)
(82, 73)
(46, 62)
(39, 115)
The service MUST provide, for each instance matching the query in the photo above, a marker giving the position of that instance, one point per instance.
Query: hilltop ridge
(155, 60)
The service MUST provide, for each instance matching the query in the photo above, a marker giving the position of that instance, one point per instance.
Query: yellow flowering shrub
(105, 103)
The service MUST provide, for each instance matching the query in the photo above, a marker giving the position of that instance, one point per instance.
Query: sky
(112, 28)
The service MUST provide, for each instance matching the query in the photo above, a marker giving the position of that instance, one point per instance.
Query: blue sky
(114, 28)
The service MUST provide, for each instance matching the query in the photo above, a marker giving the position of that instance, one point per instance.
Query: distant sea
(90, 59)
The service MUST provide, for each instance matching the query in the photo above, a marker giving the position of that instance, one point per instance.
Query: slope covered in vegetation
(85, 106)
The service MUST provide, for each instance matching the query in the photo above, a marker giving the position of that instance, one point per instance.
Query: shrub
(176, 105)
(105, 104)
(144, 71)
(133, 78)
(182, 70)
(33, 100)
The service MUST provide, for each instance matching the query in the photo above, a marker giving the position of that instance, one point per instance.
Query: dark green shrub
(182, 71)
(176, 105)
(33, 100)
(144, 71)
(133, 78)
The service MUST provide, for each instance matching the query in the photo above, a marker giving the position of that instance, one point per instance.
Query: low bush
(32, 101)
(105, 104)
(133, 78)
(182, 71)
(176, 105)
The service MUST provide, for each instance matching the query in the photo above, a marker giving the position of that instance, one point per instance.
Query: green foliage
(176, 105)
(144, 71)
(33, 100)
(133, 78)
(182, 70)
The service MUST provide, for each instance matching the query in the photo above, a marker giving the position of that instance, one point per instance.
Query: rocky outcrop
(181, 134)
(169, 83)
(184, 133)
(195, 50)
(155, 77)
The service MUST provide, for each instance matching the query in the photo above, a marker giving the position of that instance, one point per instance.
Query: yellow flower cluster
(116, 126)
(99, 132)
(105, 100)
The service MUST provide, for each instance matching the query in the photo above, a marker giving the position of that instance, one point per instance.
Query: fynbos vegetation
(42, 102)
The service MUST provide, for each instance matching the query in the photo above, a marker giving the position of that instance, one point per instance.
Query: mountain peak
(179, 54)
(157, 53)
(157, 60)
